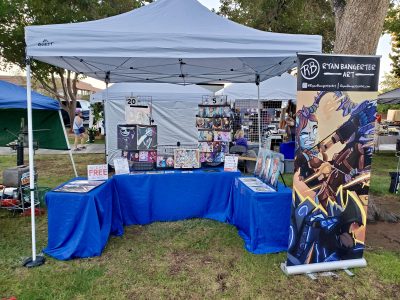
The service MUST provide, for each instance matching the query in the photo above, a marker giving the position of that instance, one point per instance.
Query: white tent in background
(167, 41)
(390, 97)
(174, 109)
(282, 87)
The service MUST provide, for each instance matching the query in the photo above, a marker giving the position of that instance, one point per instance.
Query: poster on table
(336, 109)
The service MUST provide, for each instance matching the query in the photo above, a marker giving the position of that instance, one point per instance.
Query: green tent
(48, 127)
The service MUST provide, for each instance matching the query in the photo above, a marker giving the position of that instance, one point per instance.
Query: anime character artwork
(334, 135)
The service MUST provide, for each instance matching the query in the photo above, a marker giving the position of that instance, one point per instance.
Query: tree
(358, 25)
(392, 26)
(16, 14)
(287, 16)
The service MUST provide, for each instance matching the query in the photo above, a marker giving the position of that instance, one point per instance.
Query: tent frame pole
(107, 81)
(259, 111)
(35, 260)
(68, 145)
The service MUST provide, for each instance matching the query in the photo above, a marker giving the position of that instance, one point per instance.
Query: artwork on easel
(269, 166)
(186, 158)
(146, 137)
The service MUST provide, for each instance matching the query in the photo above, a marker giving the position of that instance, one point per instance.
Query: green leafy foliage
(289, 16)
(16, 14)
(392, 26)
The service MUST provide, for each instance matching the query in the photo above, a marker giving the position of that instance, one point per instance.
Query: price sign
(231, 163)
(121, 166)
(97, 172)
(215, 100)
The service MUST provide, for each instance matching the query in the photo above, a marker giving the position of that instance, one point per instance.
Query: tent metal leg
(259, 115)
(34, 261)
(68, 145)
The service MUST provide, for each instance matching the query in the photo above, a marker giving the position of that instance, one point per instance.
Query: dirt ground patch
(383, 236)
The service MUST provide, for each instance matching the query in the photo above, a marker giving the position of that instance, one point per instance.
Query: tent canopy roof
(282, 87)
(172, 41)
(14, 96)
(158, 92)
(391, 97)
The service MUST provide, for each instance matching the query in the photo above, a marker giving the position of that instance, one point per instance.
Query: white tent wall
(175, 122)
(282, 87)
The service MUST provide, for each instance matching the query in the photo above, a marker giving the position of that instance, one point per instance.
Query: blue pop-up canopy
(14, 96)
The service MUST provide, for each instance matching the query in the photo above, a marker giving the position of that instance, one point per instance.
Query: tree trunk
(359, 24)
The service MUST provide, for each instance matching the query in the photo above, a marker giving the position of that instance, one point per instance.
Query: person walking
(79, 131)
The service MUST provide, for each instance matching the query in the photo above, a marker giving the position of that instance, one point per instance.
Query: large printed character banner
(335, 121)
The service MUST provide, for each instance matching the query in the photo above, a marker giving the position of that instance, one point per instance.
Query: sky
(384, 48)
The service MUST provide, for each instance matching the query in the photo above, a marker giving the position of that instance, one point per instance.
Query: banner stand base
(323, 267)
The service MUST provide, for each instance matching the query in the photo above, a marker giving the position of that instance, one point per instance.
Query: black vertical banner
(335, 122)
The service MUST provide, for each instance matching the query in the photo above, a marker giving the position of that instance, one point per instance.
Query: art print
(206, 146)
(222, 136)
(205, 136)
(165, 161)
(126, 137)
(137, 115)
(187, 158)
(146, 137)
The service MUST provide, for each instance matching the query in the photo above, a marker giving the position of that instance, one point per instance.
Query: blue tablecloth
(79, 224)
(262, 219)
(149, 198)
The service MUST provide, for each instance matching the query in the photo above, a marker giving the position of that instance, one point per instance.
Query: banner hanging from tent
(335, 121)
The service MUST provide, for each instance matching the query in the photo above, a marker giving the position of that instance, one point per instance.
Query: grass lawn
(194, 259)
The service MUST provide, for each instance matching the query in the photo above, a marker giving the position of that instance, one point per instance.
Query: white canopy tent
(168, 41)
(282, 87)
(174, 109)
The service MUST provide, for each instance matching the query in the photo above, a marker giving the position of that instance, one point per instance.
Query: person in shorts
(79, 131)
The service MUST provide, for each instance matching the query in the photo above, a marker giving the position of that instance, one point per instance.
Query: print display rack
(137, 138)
(214, 125)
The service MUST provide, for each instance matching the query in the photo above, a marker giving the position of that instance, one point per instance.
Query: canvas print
(222, 136)
(126, 137)
(205, 136)
(202, 113)
(146, 137)
(259, 163)
(137, 115)
(165, 161)
(276, 168)
(187, 158)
